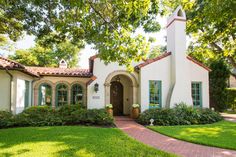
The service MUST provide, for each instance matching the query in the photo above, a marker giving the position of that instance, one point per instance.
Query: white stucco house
(161, 82)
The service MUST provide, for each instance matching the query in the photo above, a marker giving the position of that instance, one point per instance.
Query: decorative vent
(62, 64)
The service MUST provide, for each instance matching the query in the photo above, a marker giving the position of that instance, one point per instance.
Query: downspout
(11, 79)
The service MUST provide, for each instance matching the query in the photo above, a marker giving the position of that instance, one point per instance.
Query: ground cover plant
(220, 134)
(70, 141)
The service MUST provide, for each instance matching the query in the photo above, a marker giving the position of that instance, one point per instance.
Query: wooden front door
(116, 98)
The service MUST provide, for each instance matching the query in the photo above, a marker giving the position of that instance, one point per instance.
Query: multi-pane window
(77, 94)
(197, 94)
(27, 90)
(45, 94)
(61, 95)
(154, 94)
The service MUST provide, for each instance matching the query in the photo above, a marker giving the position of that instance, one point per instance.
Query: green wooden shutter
(160, 94)
(26, 94)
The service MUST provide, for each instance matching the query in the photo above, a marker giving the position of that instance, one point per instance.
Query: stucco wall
(159, 71)
(102, 71)
(4, 91)
(19, 79)
(199, 74)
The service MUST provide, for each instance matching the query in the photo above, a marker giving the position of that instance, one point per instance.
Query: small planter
(110, 111)
(135, 113)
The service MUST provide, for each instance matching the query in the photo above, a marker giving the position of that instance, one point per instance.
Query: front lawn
(71, 141)
(221, 134)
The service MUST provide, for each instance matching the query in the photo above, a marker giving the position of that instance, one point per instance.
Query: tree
(156, 51)
(212, 26)
(218, 83)
(48, 57)
(108, 24)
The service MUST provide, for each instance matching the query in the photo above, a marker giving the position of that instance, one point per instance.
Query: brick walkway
(168, 144)
(229, 117)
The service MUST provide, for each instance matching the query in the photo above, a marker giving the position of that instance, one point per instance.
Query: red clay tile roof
(12, 65)
(198, 63)
(46, 71)
(149, 61)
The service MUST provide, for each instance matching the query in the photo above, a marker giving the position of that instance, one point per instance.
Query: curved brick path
(168, 144)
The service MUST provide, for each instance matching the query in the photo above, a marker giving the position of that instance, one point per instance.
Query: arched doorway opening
(121, 91)
(116, 98)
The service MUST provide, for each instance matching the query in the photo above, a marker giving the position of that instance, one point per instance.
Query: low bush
(65, 115)
(180, 115)
(6, 119)
(38, 116)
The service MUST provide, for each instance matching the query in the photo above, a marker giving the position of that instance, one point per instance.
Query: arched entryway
(121, 90)
(116, 97)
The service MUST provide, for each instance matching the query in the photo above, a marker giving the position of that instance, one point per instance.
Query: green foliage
(156, 51)
(107, 24)
(211, 24)
(231, 98)
(218, 83)
(48, 56)
(180, 115)
(6, 119)
(64, 115)
(37, 116)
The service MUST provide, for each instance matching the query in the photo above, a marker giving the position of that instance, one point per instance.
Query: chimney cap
(62, 64)
(179, 13)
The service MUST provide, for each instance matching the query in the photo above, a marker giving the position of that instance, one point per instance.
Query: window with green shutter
(27, 90)
(155, 94)
(197, 94)
(61, 95)
(45, 94)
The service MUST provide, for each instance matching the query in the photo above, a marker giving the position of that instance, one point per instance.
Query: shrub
(65, 113)
(38, 116)
(231, 98)
(180, 115)
(92, 117)
(6, 119)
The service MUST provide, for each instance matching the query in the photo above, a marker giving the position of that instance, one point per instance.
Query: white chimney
(63, 64)
(176, 44)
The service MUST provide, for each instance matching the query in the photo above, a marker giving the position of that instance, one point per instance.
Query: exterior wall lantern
(96, 87)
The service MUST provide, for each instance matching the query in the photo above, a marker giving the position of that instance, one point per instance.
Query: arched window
(77, 94)
(45, 94)
(61, 94)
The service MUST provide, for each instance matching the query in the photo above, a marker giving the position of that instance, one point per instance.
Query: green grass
(71, 141)
(221, 134)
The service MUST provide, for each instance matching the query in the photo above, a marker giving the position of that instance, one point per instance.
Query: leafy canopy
(212, 26)
(108, 24)
(48, 57)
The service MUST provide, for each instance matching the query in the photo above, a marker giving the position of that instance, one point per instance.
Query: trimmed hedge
(180, 115)
(231, 98)
(65, 115)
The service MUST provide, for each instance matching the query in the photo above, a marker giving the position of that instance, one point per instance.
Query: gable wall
(102, 71)
(160, 71)
(199, 74)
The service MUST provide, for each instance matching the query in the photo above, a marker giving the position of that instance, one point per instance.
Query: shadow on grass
(71, 141)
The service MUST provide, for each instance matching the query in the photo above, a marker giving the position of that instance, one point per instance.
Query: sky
(85, 53)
